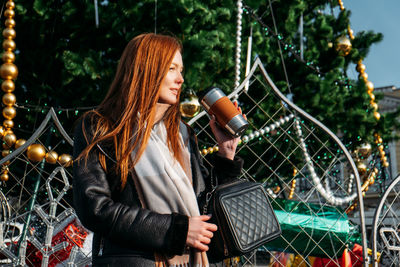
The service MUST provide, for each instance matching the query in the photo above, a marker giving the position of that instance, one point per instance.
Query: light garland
(293, 184)
(252, 135)
(238, 44)
(370, 89)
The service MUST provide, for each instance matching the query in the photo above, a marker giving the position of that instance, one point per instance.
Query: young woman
(139, 179)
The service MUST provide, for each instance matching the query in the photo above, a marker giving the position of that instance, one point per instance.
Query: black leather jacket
(125, 234)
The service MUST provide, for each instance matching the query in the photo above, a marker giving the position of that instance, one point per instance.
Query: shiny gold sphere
(374, 106)
(360, 67)
(65, 160)
(382, 153)
(9, 45)
(8, 71)
(8, 86)
(10, 23)
(381, 148)
(8, 57)
(9, 113)
(330, 44)
(8, 123)
(372, 96)
(19, 142)
(10, 5)
(379, 140)
(190, 107)
(385, 164)
(377, 115)
(370, 86)
(362, 168)
(51, 157)
(343, 45)
(9, 33)
(4, 177)
(10, 139)
(371, 181)
(210, 150)
(363, 76)
(5, 152)
(2, 131)
(365, 150)
(204, 152)
(9, 99)
(36, 152)
(9, 13)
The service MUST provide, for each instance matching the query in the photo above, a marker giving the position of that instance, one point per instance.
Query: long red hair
(130, 104)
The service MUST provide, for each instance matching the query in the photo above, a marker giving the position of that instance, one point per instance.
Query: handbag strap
(214, 184)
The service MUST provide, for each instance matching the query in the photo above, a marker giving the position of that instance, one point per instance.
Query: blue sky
(383, 61)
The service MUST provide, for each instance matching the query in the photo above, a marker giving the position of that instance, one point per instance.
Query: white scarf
(165, 186)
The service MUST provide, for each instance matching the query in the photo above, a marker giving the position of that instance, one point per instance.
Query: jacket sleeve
(134, 227)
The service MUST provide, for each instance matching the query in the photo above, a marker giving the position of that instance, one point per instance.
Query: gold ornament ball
(363, 76)
(204, 152)
(372, 96)
(8, 71)
(330, 44)
(8, 123)
(5, 152)
(365, 150)
(9, 33)
(36, 152)
(362, 168)
(360, 67)
(5, 146)
(385, 164)
(189, 107)
(370, 86)
(9, 113)
(19, 143)
(65, 160)
(9, 45)
(374, 106)
(210, 150)
(377, 115)
(343, 45)
(9, 13)
(8, 56)
(2, 131)
(9, 99)
(51, 157)
(10, 5)
(7, 86)
(10, 139)
(382, 154)
(10, 23)
(4, 177)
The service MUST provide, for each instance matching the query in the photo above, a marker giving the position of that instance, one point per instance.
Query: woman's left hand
(227, 143)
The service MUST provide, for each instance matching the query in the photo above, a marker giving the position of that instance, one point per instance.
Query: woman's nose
(180, 79)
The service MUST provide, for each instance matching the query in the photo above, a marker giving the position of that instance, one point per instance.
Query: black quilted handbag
(244, 217)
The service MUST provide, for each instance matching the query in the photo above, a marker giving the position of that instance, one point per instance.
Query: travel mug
(216, 103)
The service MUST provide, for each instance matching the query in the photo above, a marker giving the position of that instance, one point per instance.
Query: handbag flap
(250, 216)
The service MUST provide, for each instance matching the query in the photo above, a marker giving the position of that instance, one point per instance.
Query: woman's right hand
(200, 232)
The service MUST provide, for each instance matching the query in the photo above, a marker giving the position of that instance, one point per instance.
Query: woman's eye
(172, 68)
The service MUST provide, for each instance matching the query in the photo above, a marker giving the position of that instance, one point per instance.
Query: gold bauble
(65, 160)
(372, 96)
(4, 177)
(51, 157)
(9, 113)
(19, 142)
(5, 146)
(9, 45)
(10, 5)
(10, 23)
(381, 148)
(382, 153)
(9, 33)
(204, 152)
(5, 152)
(8, 123)
(330, 45)
(385, 164)
(7, 86)
(210, 150)
(2, 131)
(362, 168)
(374, 106)
(360, 67)
(9, 13)
(365, 150)
(190, 106)
(363, 76)
(10, 139)
(377, 115)
(370, 87)
(9, 99)
(8, 56)
(8, 71)
(36, 152)
(343, 45)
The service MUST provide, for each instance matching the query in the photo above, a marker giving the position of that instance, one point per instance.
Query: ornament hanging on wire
(343, 45)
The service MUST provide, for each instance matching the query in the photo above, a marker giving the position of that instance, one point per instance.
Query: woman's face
(171, 85)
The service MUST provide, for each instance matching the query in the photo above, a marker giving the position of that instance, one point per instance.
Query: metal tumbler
(216, 103)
